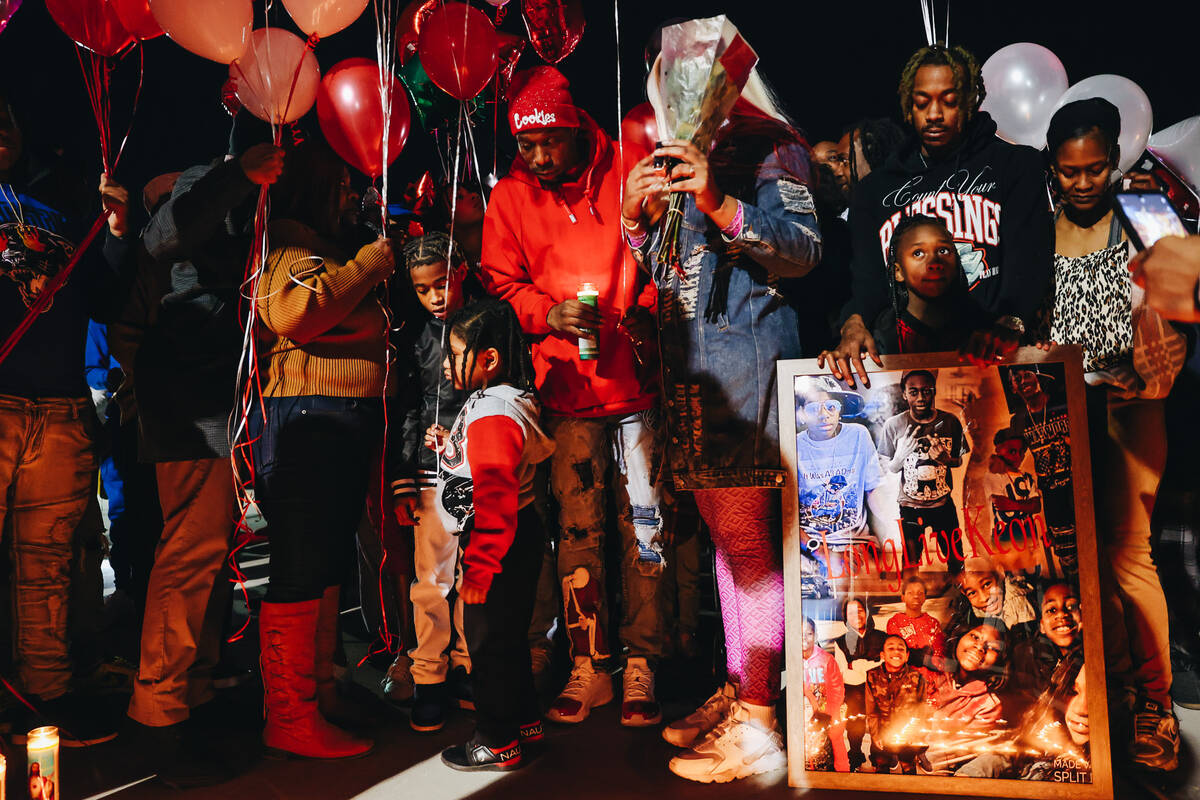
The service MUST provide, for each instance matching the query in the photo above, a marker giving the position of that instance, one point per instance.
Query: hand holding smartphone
(1147, 216)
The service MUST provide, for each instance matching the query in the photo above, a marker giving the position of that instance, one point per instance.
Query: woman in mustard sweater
(322, 345)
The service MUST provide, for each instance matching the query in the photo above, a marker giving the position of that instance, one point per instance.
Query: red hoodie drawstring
(562, 201)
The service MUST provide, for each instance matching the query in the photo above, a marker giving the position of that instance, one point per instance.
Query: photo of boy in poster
(838, 475)
(1016, 504)
(1039, 408)
(923, 443)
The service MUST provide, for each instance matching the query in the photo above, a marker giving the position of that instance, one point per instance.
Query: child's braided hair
(492, 323)
(431, 248)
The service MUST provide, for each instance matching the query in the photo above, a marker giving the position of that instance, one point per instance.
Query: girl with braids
(486, 465)
(928, 291)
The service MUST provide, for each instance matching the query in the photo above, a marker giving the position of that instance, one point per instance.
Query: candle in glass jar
(3, 775)
(42, 757)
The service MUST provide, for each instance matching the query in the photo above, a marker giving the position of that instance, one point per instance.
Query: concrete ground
(596, 759)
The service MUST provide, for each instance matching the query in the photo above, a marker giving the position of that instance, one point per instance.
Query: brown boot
(288, 632)
(334, 707)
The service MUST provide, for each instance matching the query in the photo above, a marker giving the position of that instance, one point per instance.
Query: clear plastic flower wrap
(705, 64)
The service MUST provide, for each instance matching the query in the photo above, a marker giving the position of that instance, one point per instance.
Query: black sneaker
(1185, 681)
(460, 688)
(181, 756)
(532, 732)
(81, 721)
(475, 756)
(428, 707)
(1155, 742)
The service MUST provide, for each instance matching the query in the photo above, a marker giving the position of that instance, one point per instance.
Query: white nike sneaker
(684, 732)
(737, 748)
(585, 689)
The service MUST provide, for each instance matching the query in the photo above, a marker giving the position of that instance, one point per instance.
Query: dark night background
(830, 62)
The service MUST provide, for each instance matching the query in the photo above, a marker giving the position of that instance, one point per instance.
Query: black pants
(943, 520)
(497, 638)
(856, 725)
(312, 460)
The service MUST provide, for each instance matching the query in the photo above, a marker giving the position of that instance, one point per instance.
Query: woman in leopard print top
(1131, 358)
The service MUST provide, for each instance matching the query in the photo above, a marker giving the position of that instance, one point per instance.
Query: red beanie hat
(538, 98)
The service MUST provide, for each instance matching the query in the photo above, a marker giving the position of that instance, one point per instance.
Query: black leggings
(497, 638)
(312, 461)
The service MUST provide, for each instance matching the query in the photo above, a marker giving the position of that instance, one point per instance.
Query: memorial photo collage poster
(942, 593)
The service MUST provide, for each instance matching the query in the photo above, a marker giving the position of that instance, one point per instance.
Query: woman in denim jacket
(726, 315)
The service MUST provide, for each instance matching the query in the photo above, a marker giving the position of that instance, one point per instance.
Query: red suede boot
(339, 710)
(288, 633)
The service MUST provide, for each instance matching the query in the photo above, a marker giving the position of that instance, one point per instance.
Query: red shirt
(918, 632)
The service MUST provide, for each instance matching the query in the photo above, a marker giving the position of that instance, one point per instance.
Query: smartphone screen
(1147, 217)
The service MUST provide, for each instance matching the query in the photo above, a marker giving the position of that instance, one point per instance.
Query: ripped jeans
(47, 473)
(584, 449)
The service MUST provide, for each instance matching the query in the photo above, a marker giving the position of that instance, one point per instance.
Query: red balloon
(351, 115)
(136, 18)
(508, 51)
(409, 27)
(457, 46)
(555, 26)
(92, 24)
(639, 132)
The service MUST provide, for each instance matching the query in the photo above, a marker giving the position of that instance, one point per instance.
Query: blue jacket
(731, 316)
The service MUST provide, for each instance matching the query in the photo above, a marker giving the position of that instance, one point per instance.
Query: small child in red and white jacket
(486, 468)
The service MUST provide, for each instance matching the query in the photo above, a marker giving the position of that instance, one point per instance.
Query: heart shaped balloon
(555, 26)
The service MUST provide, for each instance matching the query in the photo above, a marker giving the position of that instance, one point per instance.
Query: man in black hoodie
(991, 195)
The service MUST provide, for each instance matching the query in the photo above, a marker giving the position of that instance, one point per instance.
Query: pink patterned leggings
(744, 525)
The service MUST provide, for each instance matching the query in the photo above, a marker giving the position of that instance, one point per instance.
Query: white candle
(42, 756)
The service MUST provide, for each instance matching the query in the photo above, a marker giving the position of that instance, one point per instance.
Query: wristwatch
(1013, 323)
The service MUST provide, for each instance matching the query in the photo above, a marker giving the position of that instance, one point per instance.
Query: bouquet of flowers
(705, 65)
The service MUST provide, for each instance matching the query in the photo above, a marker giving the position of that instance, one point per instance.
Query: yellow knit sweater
(325, 331)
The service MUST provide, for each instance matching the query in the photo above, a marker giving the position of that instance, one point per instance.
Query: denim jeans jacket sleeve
(724, 323)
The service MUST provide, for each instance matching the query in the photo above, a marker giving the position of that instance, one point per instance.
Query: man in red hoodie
(554, 224)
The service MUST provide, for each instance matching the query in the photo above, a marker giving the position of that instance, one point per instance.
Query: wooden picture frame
(1007, 436)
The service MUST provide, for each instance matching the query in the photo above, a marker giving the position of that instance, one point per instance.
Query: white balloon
(1137, 118)
(1179, 148)
(277, 77)
(1023, 83)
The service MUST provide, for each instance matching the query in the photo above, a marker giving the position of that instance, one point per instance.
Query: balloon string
(137, 96)
(927, 18)
(462, 108)
(620, 153)
(384, 60)
(95, 82)
(473, 158)
(283, 118)
(248, 383)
